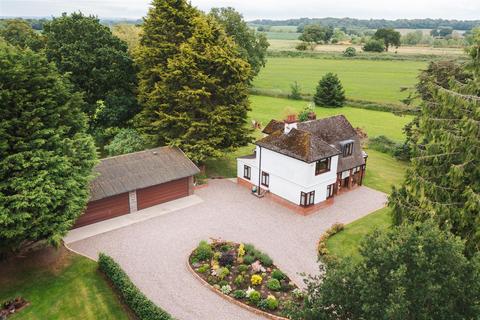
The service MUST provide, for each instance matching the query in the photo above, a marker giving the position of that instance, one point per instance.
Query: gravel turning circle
(153, 252)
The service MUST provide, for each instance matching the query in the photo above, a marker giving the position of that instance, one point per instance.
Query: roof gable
(298, 144)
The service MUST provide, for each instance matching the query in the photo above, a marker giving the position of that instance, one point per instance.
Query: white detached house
(304, 163)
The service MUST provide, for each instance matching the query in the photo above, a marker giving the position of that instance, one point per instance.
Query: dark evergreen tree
(410, 272)
(443, 182)
(194, 89)
(329, 92)
(99, 66)
(46, 158)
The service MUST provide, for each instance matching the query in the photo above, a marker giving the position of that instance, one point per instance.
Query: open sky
(254, 9)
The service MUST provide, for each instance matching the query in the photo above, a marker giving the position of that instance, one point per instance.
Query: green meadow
(371, 80)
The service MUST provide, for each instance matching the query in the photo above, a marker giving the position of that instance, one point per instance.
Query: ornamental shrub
(239, 294)
(204, 251)
(239, 280)
(254, 296)
(222, 283)
(256, 279)
(226, 259)
(222, 273)
(265, 259)
(277, 274)
(242, 267)
(329, 92)
(249, 248)
(143, 308)
(272, 302)
(226, 289)
(204, 268)
(273, 284)
(248, 259)
(241, 250)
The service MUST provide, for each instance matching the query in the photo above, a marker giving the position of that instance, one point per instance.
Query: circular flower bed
(245, 274)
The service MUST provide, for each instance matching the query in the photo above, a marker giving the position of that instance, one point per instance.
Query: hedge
(143, 308)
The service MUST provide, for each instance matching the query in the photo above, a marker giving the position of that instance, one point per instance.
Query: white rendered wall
(288, 176)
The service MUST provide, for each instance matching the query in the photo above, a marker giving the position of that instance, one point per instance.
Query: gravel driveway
(154, 252)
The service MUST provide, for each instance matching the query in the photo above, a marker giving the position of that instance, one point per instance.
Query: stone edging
(230, 299)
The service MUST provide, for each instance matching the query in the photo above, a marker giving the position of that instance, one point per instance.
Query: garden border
(230, 299)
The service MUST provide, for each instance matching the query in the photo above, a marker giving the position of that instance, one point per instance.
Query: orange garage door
(104, 209)
(162, 193)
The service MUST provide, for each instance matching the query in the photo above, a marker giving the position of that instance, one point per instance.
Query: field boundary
(363, 56)
(354, 103)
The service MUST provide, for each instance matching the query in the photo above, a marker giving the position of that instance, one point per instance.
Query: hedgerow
(143, 308)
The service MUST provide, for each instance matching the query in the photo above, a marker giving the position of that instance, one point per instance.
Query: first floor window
(347, 149)
(307, 198)
(330, 190)
(247, 172)
(265, 179)
(322, 166)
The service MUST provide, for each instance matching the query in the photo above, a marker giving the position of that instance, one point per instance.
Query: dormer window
(347, 148)
(322, 166)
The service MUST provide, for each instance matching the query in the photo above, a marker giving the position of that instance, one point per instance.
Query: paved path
(154, 252)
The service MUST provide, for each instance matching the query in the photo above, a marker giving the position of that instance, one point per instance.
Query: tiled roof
(298, 144)
(139, 170)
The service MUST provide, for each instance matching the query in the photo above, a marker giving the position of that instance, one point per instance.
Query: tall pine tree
(194, 89)
(46, 158)
(443, 182)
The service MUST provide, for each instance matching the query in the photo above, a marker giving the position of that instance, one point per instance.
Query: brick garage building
(135, 181)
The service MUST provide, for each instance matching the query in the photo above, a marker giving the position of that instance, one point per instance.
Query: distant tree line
(374, 23)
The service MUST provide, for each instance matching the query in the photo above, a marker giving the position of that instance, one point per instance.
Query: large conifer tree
(193, 82)
(443, 182)
(46, 157)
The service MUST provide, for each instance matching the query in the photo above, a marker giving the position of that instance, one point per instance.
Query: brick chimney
(290, 123)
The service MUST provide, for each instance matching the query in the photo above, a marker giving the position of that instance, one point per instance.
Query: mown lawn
(383, 172)
(345, 243)
(69, 288)
(370, 80)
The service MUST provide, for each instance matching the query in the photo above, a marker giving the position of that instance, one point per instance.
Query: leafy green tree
(329, 92)
(390, 37)
(99, 66)
(46, 158)
(410, 272)
(374, 45)
(252, 45)
(443, 182)
(18, 32)
(126, 141)
(194, 83)
(315, 34)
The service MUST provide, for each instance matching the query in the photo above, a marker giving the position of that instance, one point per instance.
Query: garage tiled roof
(139, 170)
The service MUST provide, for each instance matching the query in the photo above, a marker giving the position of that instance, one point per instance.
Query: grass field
(373, 122)
(69, 288)
(272, 35)
(378, 81)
